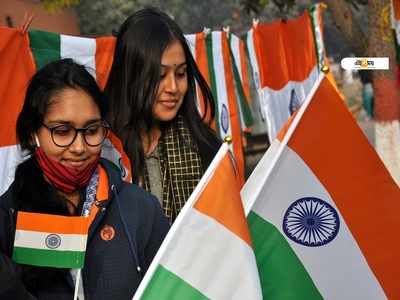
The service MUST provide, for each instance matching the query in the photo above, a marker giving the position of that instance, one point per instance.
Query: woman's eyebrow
(65, 122)
(174, 65)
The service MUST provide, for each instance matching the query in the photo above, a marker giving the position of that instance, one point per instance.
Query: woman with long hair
(62, 126)
(153, 108)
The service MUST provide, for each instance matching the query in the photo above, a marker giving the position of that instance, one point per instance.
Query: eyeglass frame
(77, 130)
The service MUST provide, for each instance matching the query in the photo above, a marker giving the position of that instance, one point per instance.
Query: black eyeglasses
(64, 135)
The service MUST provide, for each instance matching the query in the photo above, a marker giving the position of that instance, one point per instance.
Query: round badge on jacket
(107, 233)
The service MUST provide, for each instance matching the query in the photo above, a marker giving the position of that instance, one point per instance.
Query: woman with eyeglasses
(62, 126)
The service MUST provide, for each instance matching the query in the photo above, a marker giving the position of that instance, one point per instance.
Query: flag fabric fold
(208, 252)
(320, 207)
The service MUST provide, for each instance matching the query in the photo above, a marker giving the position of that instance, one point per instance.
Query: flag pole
(185, 210)
(248, 205)
(77, 279)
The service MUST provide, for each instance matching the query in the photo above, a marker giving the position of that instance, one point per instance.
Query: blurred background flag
(283, 57)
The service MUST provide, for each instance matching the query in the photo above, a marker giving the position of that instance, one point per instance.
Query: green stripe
(244, 106)
(45, 47)
(211, 73)
(282, 274)
(166, 285)
(49, 258)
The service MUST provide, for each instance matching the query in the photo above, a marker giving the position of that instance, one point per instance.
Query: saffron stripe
(104, 58)
(231, 214)
(52, 223)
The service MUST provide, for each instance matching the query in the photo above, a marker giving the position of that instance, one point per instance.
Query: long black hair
(44, 85)
(134, 80)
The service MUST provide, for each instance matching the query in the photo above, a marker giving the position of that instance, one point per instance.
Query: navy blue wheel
(311, 222)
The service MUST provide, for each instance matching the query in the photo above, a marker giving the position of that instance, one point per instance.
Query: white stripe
(37, 240)
(213, 260)
(108, 151)
(191, 40)
(260, 124)
(235, 48)
(82, 50)
(10, 157)
(276, 103)
(338, 269)
(220, 82)
(259, 174)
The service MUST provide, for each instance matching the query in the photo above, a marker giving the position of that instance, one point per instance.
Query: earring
(37, 140)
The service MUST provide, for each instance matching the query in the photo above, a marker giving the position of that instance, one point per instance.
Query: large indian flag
(21, 54)
(323, 210)
(283, 57)
(50, 240)
(208, 253)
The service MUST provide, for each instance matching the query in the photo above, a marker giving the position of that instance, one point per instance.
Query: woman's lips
(169, 103)
(76, 164)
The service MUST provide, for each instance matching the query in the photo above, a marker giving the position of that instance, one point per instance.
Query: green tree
(56, 5)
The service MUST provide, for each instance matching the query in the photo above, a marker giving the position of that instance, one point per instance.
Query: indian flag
(323, 210)
(240, 75)
(50, 240)
(284, 62)
(212, 53)
(21, 54)
(208, 252)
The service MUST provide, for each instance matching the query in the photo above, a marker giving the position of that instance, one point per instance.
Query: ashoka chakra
(53, 241)
(311, 222)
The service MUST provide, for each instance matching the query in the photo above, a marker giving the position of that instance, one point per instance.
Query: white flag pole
(77, 279)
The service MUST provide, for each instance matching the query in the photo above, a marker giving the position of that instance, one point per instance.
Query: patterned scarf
(181, 167)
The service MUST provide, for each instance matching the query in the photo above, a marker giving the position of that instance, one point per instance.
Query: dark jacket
(113, 269)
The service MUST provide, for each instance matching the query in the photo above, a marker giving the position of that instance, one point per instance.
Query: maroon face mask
(64, 178)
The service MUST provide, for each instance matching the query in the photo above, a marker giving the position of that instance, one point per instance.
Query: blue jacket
(113, 269)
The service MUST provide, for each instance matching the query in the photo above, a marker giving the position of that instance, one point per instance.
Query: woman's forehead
(73, 106)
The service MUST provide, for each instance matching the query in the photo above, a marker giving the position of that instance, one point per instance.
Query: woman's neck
(150, 140)
(73, 200)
